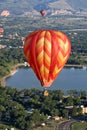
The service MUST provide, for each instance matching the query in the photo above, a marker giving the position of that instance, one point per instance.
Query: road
(65, 125)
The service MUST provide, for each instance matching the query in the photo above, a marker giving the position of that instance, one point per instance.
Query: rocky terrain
(52, 7)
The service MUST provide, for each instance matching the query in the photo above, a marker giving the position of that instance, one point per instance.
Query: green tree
(77, 101)
(58, 95)
(35, 116)
(65, 113)
(55, 112)
(74, 111)
(69, 101)
(83, 93)
(2, 110)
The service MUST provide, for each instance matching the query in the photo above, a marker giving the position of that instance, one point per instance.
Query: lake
(69, 78)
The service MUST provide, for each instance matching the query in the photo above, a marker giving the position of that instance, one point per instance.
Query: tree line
(23, 109)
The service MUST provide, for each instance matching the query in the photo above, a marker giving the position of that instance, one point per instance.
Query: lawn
(79, 126)
(51, 125)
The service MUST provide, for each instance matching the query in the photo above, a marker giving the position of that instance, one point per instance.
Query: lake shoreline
(15, 67)
(12, 72)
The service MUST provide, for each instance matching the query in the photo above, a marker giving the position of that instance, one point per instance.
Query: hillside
(28, 7)
(78, 4)
(60, 4)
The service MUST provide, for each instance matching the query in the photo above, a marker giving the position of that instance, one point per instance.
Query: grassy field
(79, 126)
(44, 128)
(76, 126)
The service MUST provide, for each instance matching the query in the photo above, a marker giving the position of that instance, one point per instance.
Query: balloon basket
(46, 93)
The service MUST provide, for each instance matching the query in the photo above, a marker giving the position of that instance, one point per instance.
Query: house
(2, 46)
(84, 109)
(12, 128)
(30, 110)
(57, 118)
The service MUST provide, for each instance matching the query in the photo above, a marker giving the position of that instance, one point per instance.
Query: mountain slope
(78, 4)
(20, 7)
(60, 4)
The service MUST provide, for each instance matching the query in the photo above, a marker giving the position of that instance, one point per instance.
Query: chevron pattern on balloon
(47, 51)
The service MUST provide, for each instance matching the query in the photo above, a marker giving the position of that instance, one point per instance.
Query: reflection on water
(84, 68)
(69, 78)
(72, 68)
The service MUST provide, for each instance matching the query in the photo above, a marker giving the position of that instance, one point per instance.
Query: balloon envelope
(5, 13)
(43, 12)
(47, 51)
(1, 31)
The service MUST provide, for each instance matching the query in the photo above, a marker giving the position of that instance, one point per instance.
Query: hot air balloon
(1, 31)
(43, 12)
(47, 51)
(5, 13)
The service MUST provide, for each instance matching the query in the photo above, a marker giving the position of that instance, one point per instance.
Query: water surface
(69, 78)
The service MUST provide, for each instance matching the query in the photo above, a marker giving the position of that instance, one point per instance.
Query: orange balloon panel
(47, 51)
